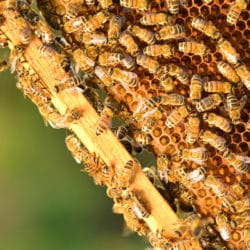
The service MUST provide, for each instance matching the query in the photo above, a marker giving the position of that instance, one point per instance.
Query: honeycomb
(206, 201)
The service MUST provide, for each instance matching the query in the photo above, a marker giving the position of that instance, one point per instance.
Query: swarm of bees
(177, 80)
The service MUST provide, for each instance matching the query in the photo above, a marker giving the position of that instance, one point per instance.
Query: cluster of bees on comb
(175, 74)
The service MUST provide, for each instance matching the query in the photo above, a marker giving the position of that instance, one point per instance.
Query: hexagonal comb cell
(197, 25)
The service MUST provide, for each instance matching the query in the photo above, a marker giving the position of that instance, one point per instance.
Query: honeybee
(120, 132)
(106, 116)
(115, 25)
(135, 4)
(215, 185)
(44, 32)
(102, 74)
(244, 74)
(30, 84)
(165, 50)
(95, 22)
(246, 236)
(145, 108)
(11, 5)
(138, 207)
(234, 107)
(168, 32)
(22, 26)
(151, 117)
(205, 27)
(193, 222)
(173, 6)
(73, 9)
(149, 63)
(195, 89)
(51, 16)
(157, 239)
(198, 155)
(118, 192)
(233, 13)
(209, 102)
(172, 99)
(62, 43)
(235, 10)
(85, 63)
(35, 90)
(196, 175)
(95, 167)
(235, 193)
(140, 211)
(218, 121)
(136, 225)
(3, 65)
(126, 40)
(97, 39)
(94, 99)
(163, 163)
(193, 129)
(55, 119)
(110, 58)
(106, 175)
(126, 174)
(69, 83)
(25, 34)
(242, 205)
(124, 77)
(142, 139)
(78, 151)
(127, 145)
(193, 47)
(75, 24)
(156, 18)
(105, 4)
(25, 10)
(167, 83)
(142, 33)
(228, 51)
(148, 125)
(47, 51)
(128, 62)
(176, 116)
(227, 71)
(214, 140)
(16, 58)
(240, 220)
(72, 115)
(223, 226)
(180, 73)
(60, 58)
(217, 87)
(233, 159)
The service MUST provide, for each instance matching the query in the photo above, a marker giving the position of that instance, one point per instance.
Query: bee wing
(198, 149)
(243, 101)
(196, 175)
(199, 162)
(246, 159)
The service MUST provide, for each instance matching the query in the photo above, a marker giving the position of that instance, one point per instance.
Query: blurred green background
(46, 202)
